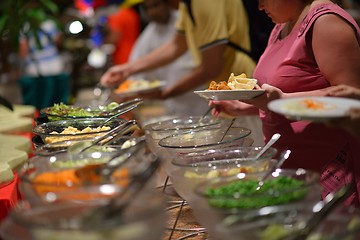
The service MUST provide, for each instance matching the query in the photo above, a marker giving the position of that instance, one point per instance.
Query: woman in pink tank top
(314, 45)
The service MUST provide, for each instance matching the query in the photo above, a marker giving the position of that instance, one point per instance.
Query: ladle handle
(208, 111)
(284, 156)
(273, 139)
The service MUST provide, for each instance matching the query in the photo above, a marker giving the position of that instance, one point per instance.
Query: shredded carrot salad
(317, 105)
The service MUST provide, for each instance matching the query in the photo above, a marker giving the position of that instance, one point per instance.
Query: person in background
(314, 45)
(44, 80)
(352, 122)
(214, 59)
(205, 28)
(123, 29)
(160, 29)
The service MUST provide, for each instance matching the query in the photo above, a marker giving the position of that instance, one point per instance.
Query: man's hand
(115, 75)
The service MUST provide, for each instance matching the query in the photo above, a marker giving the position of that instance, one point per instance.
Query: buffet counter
(15, 149)
(9, 196)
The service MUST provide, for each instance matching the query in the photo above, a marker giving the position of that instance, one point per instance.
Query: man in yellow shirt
(205, 27)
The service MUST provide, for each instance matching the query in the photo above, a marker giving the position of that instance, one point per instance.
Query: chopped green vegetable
(244, 194)
(62, 110)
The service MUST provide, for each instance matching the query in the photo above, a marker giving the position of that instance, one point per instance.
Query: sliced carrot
(124, 86)
(68, 186)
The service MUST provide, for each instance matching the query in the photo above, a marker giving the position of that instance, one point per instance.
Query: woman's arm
(336, 50)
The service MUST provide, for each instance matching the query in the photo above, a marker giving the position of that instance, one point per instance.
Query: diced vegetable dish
(63, 110)
(244, 194)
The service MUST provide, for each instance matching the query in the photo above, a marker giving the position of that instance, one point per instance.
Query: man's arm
(210, 67)
(161, 56)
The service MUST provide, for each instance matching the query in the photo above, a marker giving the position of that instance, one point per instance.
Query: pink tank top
(287, 64)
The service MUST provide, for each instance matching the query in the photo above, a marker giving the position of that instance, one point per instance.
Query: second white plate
(328, 108)
(229, 94)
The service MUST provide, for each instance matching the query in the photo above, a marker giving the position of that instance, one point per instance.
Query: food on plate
(133, 85)
(218, 86)
(75, 132)
(244, 194)
(239, 82)
(308, 105)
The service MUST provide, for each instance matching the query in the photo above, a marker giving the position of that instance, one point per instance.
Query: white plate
(229, 94)
(333, 107)
(134, 92)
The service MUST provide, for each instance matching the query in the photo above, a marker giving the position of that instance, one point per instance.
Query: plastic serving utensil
(273, 139)
(284, 155)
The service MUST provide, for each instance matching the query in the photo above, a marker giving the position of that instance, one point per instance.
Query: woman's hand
(343, 91)
(245, 107)
(233, 108)
(271, 93)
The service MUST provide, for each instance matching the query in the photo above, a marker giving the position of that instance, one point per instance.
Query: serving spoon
(208, 111)
(283, 157)
(273, 139)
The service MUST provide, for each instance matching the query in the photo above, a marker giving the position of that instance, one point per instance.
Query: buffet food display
(79, 187)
